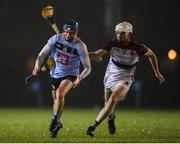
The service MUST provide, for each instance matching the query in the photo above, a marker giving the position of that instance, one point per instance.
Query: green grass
(31, 125)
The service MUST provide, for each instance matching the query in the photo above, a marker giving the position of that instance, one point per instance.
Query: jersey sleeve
(108, 45)
(84, 57)
(142, 49)
(52, 40)
(45, 51)
(41, 56)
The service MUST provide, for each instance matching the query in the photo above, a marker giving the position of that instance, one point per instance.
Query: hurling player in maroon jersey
(124, 57)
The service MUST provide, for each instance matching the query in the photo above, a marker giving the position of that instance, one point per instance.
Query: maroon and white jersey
(122, 63)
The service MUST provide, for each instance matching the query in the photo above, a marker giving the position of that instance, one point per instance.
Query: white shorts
(109, 86)
(116, 76)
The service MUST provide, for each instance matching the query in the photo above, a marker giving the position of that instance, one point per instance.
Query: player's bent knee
(60, 94)
(114, 100)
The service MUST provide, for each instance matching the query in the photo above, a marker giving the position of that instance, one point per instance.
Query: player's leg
(112, 115)
(61, 92)
(54, 99)
(55, 82)
(55, 123)
(107, 95)
(58, 97)
(118, 94)
(106, 98)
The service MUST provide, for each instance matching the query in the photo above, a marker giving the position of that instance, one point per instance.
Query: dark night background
(24, 32)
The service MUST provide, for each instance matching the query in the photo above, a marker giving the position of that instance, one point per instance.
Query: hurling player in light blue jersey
(68, 51)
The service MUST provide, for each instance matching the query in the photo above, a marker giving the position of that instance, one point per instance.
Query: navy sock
(56, 116)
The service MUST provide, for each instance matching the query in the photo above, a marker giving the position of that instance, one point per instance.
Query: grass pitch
(31, 125)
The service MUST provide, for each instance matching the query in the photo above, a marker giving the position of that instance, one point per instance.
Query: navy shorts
(55, 82)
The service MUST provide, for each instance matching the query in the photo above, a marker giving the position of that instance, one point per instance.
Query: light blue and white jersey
(67, 55)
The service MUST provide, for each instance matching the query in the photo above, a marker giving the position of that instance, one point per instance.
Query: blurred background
(24, 32)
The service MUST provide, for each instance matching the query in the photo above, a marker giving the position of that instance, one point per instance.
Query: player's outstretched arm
(97, 55)
(154, 63)
(84, 57)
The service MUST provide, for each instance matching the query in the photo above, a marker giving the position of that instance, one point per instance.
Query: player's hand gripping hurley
(50, 65)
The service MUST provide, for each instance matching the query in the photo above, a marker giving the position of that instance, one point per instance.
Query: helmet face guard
(70, 26)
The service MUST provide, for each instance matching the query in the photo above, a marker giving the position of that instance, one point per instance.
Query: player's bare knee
(119, 95)
(60, 94)
(114, 100)
(115, 96)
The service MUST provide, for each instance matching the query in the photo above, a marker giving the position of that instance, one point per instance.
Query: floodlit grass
(31, 125)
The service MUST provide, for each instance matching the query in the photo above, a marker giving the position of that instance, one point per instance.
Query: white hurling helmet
(124, 27)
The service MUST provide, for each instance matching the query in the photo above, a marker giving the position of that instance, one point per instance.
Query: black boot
(90, 131)
(111, 124)
(54, 127)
